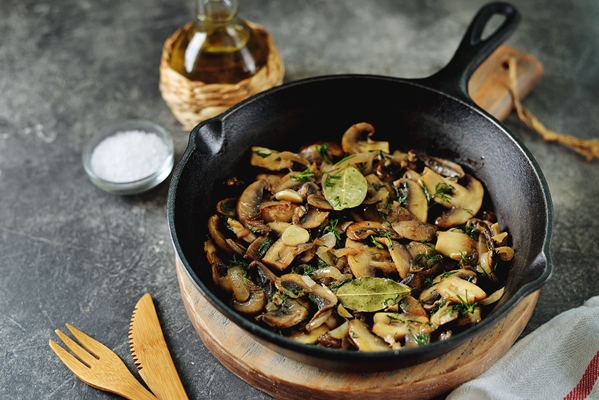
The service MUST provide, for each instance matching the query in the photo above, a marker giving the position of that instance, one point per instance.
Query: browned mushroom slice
(239, 283)
(226, 207)
(394, 212)
(295, 285)
(312, 194)
(280, 256)
(248, 207)
(363, 229)
(415, 230)
(402, 258)
(439, 165)
(263, 277)
(272, 180)
(218, 268)
(290, 313)
(366, 260)
(463, 202)
(443, 313)
(253, 305)
(351, 143)
(377, 190)
(277, 211)
(336, 338)
(454, 289)
(237, 248)
(219, 238)
(416, 201)
(411, 306)
(275, 160)
(455, 244)
(309, 217)
(393, 327)
(424, 255)
(471, 317)
(319, 201)
(486, 249)
(240, 231)
(309, 337)
(321, 151)
(360, 336)
(257, 249)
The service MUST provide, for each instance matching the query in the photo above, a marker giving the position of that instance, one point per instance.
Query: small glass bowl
(140, 185)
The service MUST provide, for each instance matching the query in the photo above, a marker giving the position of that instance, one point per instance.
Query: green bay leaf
(369, 294)
(346, 188)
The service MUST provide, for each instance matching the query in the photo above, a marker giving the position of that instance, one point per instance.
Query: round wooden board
(284, 378)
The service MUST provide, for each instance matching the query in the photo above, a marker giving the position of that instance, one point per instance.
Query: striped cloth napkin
(559, 360)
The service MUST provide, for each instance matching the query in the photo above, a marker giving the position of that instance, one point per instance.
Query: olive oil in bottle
(220, 47)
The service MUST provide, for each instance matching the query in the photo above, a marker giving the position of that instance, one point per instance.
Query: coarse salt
(128, 156)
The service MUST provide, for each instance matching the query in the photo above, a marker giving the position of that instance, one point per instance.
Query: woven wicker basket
(193, 102)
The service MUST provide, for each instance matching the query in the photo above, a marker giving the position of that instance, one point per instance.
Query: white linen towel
(559, 360)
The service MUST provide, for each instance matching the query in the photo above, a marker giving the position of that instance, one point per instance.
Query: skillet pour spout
(434, 115)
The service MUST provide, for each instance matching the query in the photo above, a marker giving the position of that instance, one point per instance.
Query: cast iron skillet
(434, 114)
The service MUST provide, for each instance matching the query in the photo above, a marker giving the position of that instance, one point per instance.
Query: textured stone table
(70, 253)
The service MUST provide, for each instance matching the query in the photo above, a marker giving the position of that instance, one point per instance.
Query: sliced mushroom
(290, 313)
(443, 314)
(377, 190)
(240, 231)
(253, 305)
(463, 201)
(289, 181)
(248, 207)
(416, 201)
(415, 230)
(315, 152)
(366, 260)
(309, 217)
(351, 143)
(424, 255)
(336, 338)
(263, 277)
(392, 327)
(226, 207)
(394, 212)
(280, 256)
(274, 160)
(455, 290)
(309, 337)
(295, 285)
(401, 257)
(239, 283)
(258, 248)
(455, 244)
(360, 336)
(441, 166)
(364, 229)
(471, 318)
(218, 268)
(217, 236)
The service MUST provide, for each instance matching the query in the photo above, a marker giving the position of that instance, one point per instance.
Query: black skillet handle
(473, 50)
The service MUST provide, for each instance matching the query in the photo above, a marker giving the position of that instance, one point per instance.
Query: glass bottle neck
(216, 11)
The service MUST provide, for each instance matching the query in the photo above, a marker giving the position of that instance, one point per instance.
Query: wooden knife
(151, 354)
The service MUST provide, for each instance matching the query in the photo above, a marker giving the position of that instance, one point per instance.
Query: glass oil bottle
(220, 47)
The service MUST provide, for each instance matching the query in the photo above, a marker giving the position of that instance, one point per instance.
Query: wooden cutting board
(284, 378)
(489, 84)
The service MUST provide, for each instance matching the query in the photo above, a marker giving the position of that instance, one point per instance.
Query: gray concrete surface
(70, 253)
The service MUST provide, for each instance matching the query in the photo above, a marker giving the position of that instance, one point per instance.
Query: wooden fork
(98, 366)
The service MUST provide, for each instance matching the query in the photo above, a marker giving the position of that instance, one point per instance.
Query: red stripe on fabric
(586, 383)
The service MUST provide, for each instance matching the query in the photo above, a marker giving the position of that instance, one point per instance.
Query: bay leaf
(346, 188)
(371, 294)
